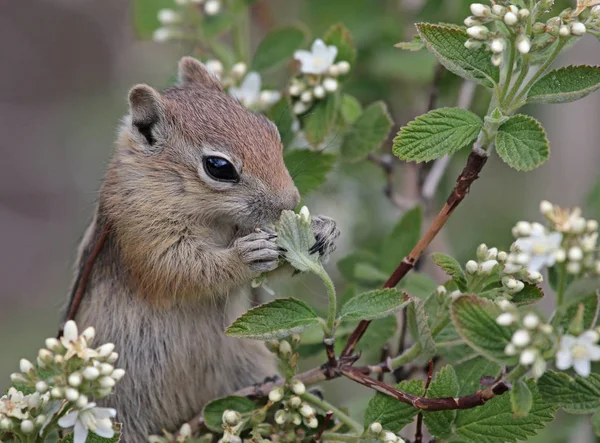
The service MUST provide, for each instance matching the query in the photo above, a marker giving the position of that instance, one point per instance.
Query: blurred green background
(66, 67)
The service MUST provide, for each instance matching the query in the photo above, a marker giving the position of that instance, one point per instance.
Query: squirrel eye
(220, 169)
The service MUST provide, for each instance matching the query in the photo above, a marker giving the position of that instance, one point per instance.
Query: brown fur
(181, 250)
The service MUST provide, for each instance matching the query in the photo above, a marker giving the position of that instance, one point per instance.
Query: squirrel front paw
(326, 232)
(259, 251)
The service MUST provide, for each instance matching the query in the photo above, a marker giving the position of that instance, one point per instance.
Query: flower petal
(583, 367)
(536, 263)
(80, 433)
(68, 420)
(594, 352)
(104, 428)
(105, 412)
(564, 359)
(318, 47)
(525, 244)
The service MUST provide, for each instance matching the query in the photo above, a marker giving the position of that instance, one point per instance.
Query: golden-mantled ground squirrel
(194, 177)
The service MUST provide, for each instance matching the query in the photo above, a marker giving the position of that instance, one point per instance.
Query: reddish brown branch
(85, 275)
(470, 173)
(419, 431)
(326, 421)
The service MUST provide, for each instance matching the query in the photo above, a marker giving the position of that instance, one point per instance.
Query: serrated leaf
(577, 395)
(418, 325)
(339, 36)
(213, 411)
(95, 438)
(296, 237)
(350, 109)
(448, 45)
(521, 399)
(522, 144)
(403, 238)
(565, 85)
(276, 319)
(475, 320)
(308, 168)
(583, 291)
(373, 304)
(445, 384)
(470, 372)
(528, 295)
(392, 414)
(277, 47)
(319, 121)
(451, 267)
(435, 134)
(494, 421)
(367, 133)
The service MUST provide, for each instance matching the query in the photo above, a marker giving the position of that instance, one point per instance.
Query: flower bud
(521, 338)
(75, 379)
(5, 424)
(497, 46)
(441, 290)
(479, 10)
(298, 387)
(239, 70)
(304, 216)
(295, 402)
(105, 350)
(535, 277)
(523, 44)
(330, 84)
(81, 402)
(285, 349)
(56, 392)
(312, 422)
(376, 428)
(523, 14)
(41, 387)
(306, 96)
(103, 392)
(112, 357)
(497, 59)
(564, 31)
(578, 28)
(591, 226)
(52, 343)
(296, 89)
(482, 252)
(212, 7)
(185, 431)
(472, 21)
(231, 417)
(333, 70)
(276, 394)
(573, 267)
(59, 359)
(25, 365)
(70, 330)
(510, 18)
(344, 67)
(281, 417)
(502, 256)
(89, 334)
(505, 319)
(523, 228)
(473, 44)
(18, 378)
(215, 66)
(71, 394)
(520, 286)
(471, 267)
(504, 304)
(300, 108)
(527, 357)
(117, 374)
(546, 207)
(168, 17)
(106, 382)
(510, 350)
(389, 437)
(27, 427)
(575, 254)
(91, 373)
(560, 255)
(319, 92)
(40, 420)
(531, 321)
(106, 369)
(512, 8)
(487, 266)
(538, 28)
(498, 10)
(306, 410)
(478, 32)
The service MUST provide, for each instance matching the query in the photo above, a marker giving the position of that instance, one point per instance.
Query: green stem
(334, 436)
(415, 350)
(517, 372)
(332, 311)
(509, 73)
(559, 46)
(562, 284)
(524, 71)
(326, 406)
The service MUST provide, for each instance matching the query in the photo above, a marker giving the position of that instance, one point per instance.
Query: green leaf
(452, 268)
(418, 325)
(213, 411)
(95, 438)
(583, 291)
(528, 295)
(435, 134)
(522, 144)
(351, 108)
(475, 320)
(593, 200)
(350, 267)
(521, 399)
(320, 120)
(374, 304)
(403, 238)
(367, 133)
(470, 372)
(565, 85)
(281, 114)
(494, 421)
(392, 414)
(341, 38)
(308, 168)
(145, 15)
(277, 47)
(445, 384)
(448, 45)
(418, 284)
(577, 395)
(296, 237)
(277, 319)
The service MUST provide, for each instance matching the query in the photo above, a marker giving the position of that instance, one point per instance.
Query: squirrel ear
(193, 71)
(146, 109)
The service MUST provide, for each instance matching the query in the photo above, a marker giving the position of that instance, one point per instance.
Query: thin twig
(326, 421)
(419, 432)
(470, 173)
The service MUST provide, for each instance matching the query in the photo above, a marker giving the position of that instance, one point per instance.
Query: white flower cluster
(293, 410)
(517, 20)
(245, 86)
(578, 352)
(68, 374)
(376, 430)
(530, 341)
(171, 20)
(233, 426)
(319, 75)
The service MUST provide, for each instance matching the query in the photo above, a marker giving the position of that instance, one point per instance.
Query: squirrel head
(194, 151)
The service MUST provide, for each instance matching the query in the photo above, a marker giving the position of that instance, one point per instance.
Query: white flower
(90, 418)
(578, 352)
(539, 247)
(14, 404)
(306, 96)
(75, 344)
(318, 59)
(248, 92)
